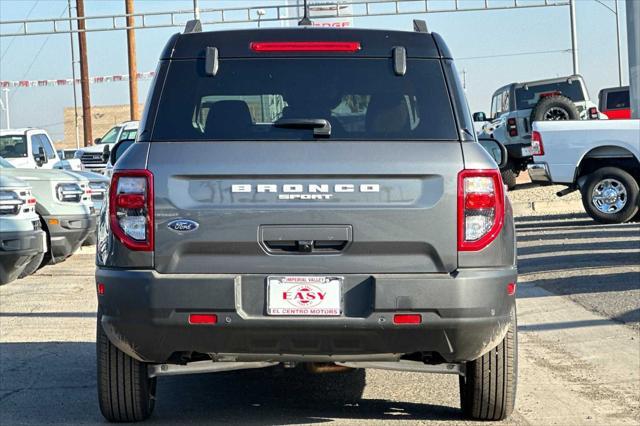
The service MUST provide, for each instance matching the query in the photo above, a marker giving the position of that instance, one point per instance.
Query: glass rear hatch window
(362, 99)
(527, 97)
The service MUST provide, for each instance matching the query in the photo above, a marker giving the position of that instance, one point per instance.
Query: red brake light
(407, 319)
(203, 319)
(100, 289)
(480, 208)
(511, 289)
(130, 201)
(131, 208)
(537, 148)
(305, 46)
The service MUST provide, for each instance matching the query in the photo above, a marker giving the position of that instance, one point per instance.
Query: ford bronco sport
(306, 196)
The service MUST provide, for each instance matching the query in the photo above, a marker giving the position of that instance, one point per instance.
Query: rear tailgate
(379, 207)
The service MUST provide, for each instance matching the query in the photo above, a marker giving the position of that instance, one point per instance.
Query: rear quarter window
(362, 99)
(618, 100)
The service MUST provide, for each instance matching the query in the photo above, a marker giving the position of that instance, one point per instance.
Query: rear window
(527, 98)
(618, 100)
(362, 99)
(13, 146)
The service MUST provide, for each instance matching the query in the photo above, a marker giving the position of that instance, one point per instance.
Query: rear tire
(509, 178)
(125, 392)
(553, 108)
(488, 391)
(620, 182)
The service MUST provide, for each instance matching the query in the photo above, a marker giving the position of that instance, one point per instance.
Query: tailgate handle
(312, 239)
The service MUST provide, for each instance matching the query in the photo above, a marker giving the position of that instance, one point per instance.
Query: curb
(537, 207)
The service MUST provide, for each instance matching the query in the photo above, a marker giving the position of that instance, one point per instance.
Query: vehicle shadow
(55, 383)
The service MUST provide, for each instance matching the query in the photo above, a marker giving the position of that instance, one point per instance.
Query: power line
(35, 58)
(541, 52)
(12, 39)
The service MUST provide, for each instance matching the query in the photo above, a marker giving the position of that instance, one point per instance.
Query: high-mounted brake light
(480, 208)
(131, 208)
(407, 319)
(305, 46)
(537, 148)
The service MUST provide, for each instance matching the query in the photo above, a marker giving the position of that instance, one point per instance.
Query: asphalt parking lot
(579, 323)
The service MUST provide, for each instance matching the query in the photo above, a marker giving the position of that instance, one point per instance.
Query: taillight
(593, 113)
(512, 127)
(131, 208)
(480, 208)
(305, 46)
(537, 148)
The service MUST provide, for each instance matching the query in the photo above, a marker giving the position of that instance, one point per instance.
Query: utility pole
(5, 106)
(618, 44)
(633, 41)
(84, 74)
(73, 74)
(133, 68)
(574, 36)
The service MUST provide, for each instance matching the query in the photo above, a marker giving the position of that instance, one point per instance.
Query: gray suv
(306, 196)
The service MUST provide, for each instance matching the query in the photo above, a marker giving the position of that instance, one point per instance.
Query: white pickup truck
(599, 158)
(32, 148)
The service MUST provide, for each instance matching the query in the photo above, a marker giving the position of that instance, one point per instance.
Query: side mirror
(479, 117)
(119, 149)
(497, 151)
(40, 157)
(96, 141)
(106, 153)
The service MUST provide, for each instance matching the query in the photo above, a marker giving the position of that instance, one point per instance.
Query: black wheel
(125, 392)
(488, 390)
(32, 266)
(509, 178)
(554, 108)
(610, 195)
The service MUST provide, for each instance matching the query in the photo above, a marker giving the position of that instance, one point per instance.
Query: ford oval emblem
(183, 225)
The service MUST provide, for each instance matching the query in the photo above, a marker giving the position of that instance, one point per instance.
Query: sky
(492, 47)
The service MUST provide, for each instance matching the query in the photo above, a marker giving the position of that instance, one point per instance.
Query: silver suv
(516, 106)
(306, 196)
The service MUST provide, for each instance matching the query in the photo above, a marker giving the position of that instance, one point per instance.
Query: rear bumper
(464, 315)
(16, 250)
(68, 234)
(539, 172)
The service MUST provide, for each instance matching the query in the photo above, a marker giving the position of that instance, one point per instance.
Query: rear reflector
(407, 319)
(203, 318)
(305, 46)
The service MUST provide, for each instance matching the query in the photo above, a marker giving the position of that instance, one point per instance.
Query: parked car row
(49, 201)
(46, 215)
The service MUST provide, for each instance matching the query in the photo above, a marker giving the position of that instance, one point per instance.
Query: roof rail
(193, 26)
(420, 26)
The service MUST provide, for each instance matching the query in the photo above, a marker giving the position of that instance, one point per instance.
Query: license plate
(527, 151)
(304, 296)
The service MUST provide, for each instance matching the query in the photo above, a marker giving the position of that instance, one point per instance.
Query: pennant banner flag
(70, 81)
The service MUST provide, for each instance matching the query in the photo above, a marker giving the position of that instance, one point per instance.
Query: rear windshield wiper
(321, 127)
